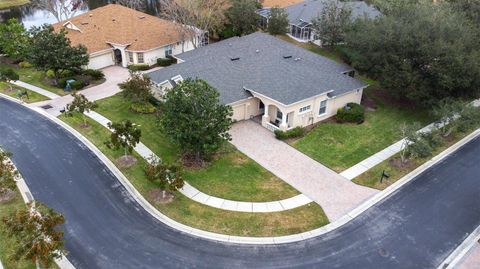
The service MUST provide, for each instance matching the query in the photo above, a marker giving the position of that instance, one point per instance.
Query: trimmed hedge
(138, 67)
(352, 112)
(94, 74)
(292, 133)
(165, 61)
(143, 108)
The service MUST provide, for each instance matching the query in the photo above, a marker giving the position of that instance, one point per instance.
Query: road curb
(253, 240)
(459, 253)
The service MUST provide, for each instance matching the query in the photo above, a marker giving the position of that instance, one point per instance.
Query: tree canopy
(277, 21)
(332, 23)
(36, 230)
(13, 39)
(193, 116)
(49, 50)
(137, 87)
(242, 16)
(426, 53)
(7, 172)
(81, 104)
(125, 134)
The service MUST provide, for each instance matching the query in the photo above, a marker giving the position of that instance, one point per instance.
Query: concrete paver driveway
(113, 76)
(336, 194)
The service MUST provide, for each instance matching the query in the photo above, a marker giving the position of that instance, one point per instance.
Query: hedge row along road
(417, 226)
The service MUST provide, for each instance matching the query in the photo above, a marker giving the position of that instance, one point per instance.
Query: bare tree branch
(61, 9)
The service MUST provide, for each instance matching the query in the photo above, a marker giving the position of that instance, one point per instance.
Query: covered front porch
(273, 117)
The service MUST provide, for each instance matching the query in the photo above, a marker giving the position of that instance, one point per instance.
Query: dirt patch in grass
(159, 197)
(6, 196)
(387, 98)
(126, 161)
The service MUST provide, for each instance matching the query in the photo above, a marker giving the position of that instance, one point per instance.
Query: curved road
(415, 227)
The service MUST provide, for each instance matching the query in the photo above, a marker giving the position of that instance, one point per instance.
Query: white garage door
(101, 61)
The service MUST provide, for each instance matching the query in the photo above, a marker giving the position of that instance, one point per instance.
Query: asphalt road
(416, 227)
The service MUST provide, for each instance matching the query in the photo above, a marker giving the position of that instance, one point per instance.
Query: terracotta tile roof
(119, 25)
(280, 3)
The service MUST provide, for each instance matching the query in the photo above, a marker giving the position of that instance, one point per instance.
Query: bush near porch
(189, 212)
(231, 175)
(340, 146)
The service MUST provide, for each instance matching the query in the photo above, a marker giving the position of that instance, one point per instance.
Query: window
(279, 114)
(323, 107)
(140, 57)
(168, 51)
(305, 109)
(130, 56)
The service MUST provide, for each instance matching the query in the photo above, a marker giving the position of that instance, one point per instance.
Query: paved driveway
(113, 76)
(336, 194)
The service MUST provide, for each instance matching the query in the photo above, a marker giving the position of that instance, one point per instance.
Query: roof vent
(91, 15)
(113, 19)
(235, 59)
(141, 17)
(297, 59)
(84, 23)
(287, 56)
(257, 51)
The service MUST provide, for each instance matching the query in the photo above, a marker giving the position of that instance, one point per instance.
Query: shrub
(95, 74)
(143, 108)
(65, 73)
(352, 112)
(25, 64)
(165, 61)
(138, 67)
(78, 84)
(292, 133)
(419, 149)
(50, 74)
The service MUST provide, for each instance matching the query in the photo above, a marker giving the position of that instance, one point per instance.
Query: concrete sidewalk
(336, 194)
(113, 75)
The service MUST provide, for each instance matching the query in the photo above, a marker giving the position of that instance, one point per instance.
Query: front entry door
(118, 57)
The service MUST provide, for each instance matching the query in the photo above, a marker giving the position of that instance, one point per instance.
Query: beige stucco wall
(150, 57)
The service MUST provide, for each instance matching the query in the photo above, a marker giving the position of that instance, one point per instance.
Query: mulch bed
(6, 196)
(126, 161)
(158, 196)
(397, 163)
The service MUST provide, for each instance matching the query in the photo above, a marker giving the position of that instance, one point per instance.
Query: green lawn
(34, 77)
(340, 146)
(32, 96)
(371, 178)
(191, 213)
(7, 244)
(231, 175)
(5, 4)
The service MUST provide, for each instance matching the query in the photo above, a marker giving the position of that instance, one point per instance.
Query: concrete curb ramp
(254, 240)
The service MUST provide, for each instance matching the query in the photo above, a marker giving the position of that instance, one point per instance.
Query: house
(301, 14)
(263, 77)
(117, 35)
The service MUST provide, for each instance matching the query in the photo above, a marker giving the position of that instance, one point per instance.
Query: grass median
(194, 214)
(12, 90)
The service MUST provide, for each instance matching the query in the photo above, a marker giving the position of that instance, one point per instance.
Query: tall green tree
(426, 53)
(332, 23)
(242, 16)
(13, 39)
(193, 116)
(277, 21)
(81, 104)
(125, 134)
(50, 50)
(36, 231)
(471, 8)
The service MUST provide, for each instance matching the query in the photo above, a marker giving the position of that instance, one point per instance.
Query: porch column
(265, 117)
(124, 58)
(284, 126)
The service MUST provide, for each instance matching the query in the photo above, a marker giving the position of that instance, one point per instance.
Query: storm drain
(46, 106)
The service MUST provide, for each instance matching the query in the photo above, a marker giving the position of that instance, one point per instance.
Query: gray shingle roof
(307, 10)
(261, 67)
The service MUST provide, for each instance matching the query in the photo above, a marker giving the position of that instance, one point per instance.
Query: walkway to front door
(336, 194)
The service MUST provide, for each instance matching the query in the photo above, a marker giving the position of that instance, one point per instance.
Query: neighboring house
(279, 3)
(117, 35)
(261, 76)
(300, 16)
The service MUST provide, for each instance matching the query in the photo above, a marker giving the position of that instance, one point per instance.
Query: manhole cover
(383, 252)
(46, 106)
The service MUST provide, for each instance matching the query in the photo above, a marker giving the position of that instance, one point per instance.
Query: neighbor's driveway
(336, 194)
(113, 76)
